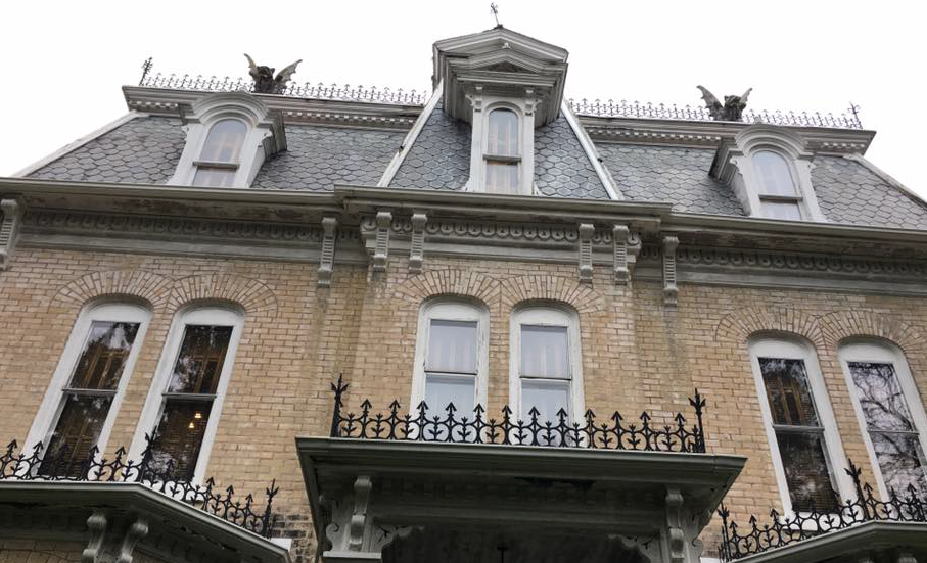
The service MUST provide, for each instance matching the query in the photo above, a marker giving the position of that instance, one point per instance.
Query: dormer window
(218, 160)
(502, 154)
(776, 189)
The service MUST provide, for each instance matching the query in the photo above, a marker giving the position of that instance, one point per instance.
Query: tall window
(799, 421)
(218, 161)
(547, 373)
(892, 417)
(96, 363)
(191, 383)
(778, 193)
(502, 152)
(451, 362)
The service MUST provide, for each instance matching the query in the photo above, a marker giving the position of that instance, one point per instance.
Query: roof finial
(146, 68)
(854, 109)
(494, 8)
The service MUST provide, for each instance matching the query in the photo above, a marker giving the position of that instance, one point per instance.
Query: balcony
(398, 487)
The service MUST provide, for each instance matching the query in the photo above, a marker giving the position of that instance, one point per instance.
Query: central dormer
(505, 85)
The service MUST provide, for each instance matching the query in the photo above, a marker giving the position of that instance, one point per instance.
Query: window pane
(451, 346)
(548, 397)
(788, 391)
(544, 351)
(179, 436)
(503, 132)
(502, 177)
(442, 390)
(774, 174)
(881, 397)
(75, 434)
(214, 177)
(224, 141)
(105, 353)
(199, 363)
(901, 460)
(806, 471)
(783, 210)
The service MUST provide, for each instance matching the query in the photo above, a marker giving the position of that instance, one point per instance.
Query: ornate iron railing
(156, 474)
(451, 427)
(624, 108)
(801, 526)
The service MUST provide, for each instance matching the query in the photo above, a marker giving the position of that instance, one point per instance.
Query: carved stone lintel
(417, 250)
(381, 250)
(135, 533)
(620, 236)
(96, 524)
(586, 230)
(9, 227)
(670, 289)
(675, 534)
(362, 486)
(327, 261)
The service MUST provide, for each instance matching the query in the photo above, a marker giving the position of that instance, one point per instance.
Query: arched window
(890, 412)
(87, 388)
(546, 364)
(451, 357)
(218, 160)
(805, 445)
(502, 153)
(777, 190)
(184, 403)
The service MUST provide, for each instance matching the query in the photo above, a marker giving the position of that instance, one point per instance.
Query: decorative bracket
(670, 289)
(96, 525)
(9, 229)
(417, 249)
(586, 230)
(621, 270)
(362, 486)
(675, 535)
(381, 250)
(326, 264)
(135, 533)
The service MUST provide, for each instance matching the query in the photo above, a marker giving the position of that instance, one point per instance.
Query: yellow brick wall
(33, 551)
(637, 354)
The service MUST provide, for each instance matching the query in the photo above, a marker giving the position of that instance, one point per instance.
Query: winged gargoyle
(731, 110)
(264, 80)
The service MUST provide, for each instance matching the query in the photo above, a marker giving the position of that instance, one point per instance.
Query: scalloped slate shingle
(317, 158)
(440, 156)
(561, 166)
(848, 192)
(674, 174)
(144, 150)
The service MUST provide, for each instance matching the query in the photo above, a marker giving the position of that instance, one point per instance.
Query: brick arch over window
(253, 295)
(739, 325)
(449, 282)
(153, 288)
(844, 324)
(579, 296)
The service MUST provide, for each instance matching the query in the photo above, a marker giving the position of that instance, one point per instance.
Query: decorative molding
(345, 119)
(670, 288)
(647, 137)
(381, 250)
(417, 247)
(135, 533)
(9, 230)
(675, 535)
(586, 230)
(620, 268)
(362, 487)
(96, 525)
(327, 259)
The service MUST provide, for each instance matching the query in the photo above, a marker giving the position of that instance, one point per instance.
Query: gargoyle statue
(731, 110)
(264, 80)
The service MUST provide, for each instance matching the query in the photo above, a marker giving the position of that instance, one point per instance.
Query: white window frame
(879, 351)
(231, 166)
(52, 403)
(791, 348)
(763, 197)
(154, 403)
(451, 310)
(547, 315)
(524, 110)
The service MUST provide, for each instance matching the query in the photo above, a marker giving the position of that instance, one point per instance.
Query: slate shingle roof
(144, 150)
(440, 156)
(317, 158)
(561, 166)
(675, 174)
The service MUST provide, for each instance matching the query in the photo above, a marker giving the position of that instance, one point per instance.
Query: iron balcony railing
(459, 428)
(801, 526)
(158, 475)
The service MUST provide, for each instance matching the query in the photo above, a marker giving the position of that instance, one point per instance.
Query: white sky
(65, 61)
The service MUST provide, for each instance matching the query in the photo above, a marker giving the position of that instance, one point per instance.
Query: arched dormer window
(502, 153)
(776, 189)
(218, 161)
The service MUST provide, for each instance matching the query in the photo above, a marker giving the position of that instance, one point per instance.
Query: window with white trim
(546, 366)
(219, 158)
(890, 413)
(800, 423)
(89, 383)
(502, 154)
(451, 358)
(184, 404)
(776, 189)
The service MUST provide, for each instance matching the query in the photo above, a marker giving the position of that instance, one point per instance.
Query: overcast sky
(66, 61)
